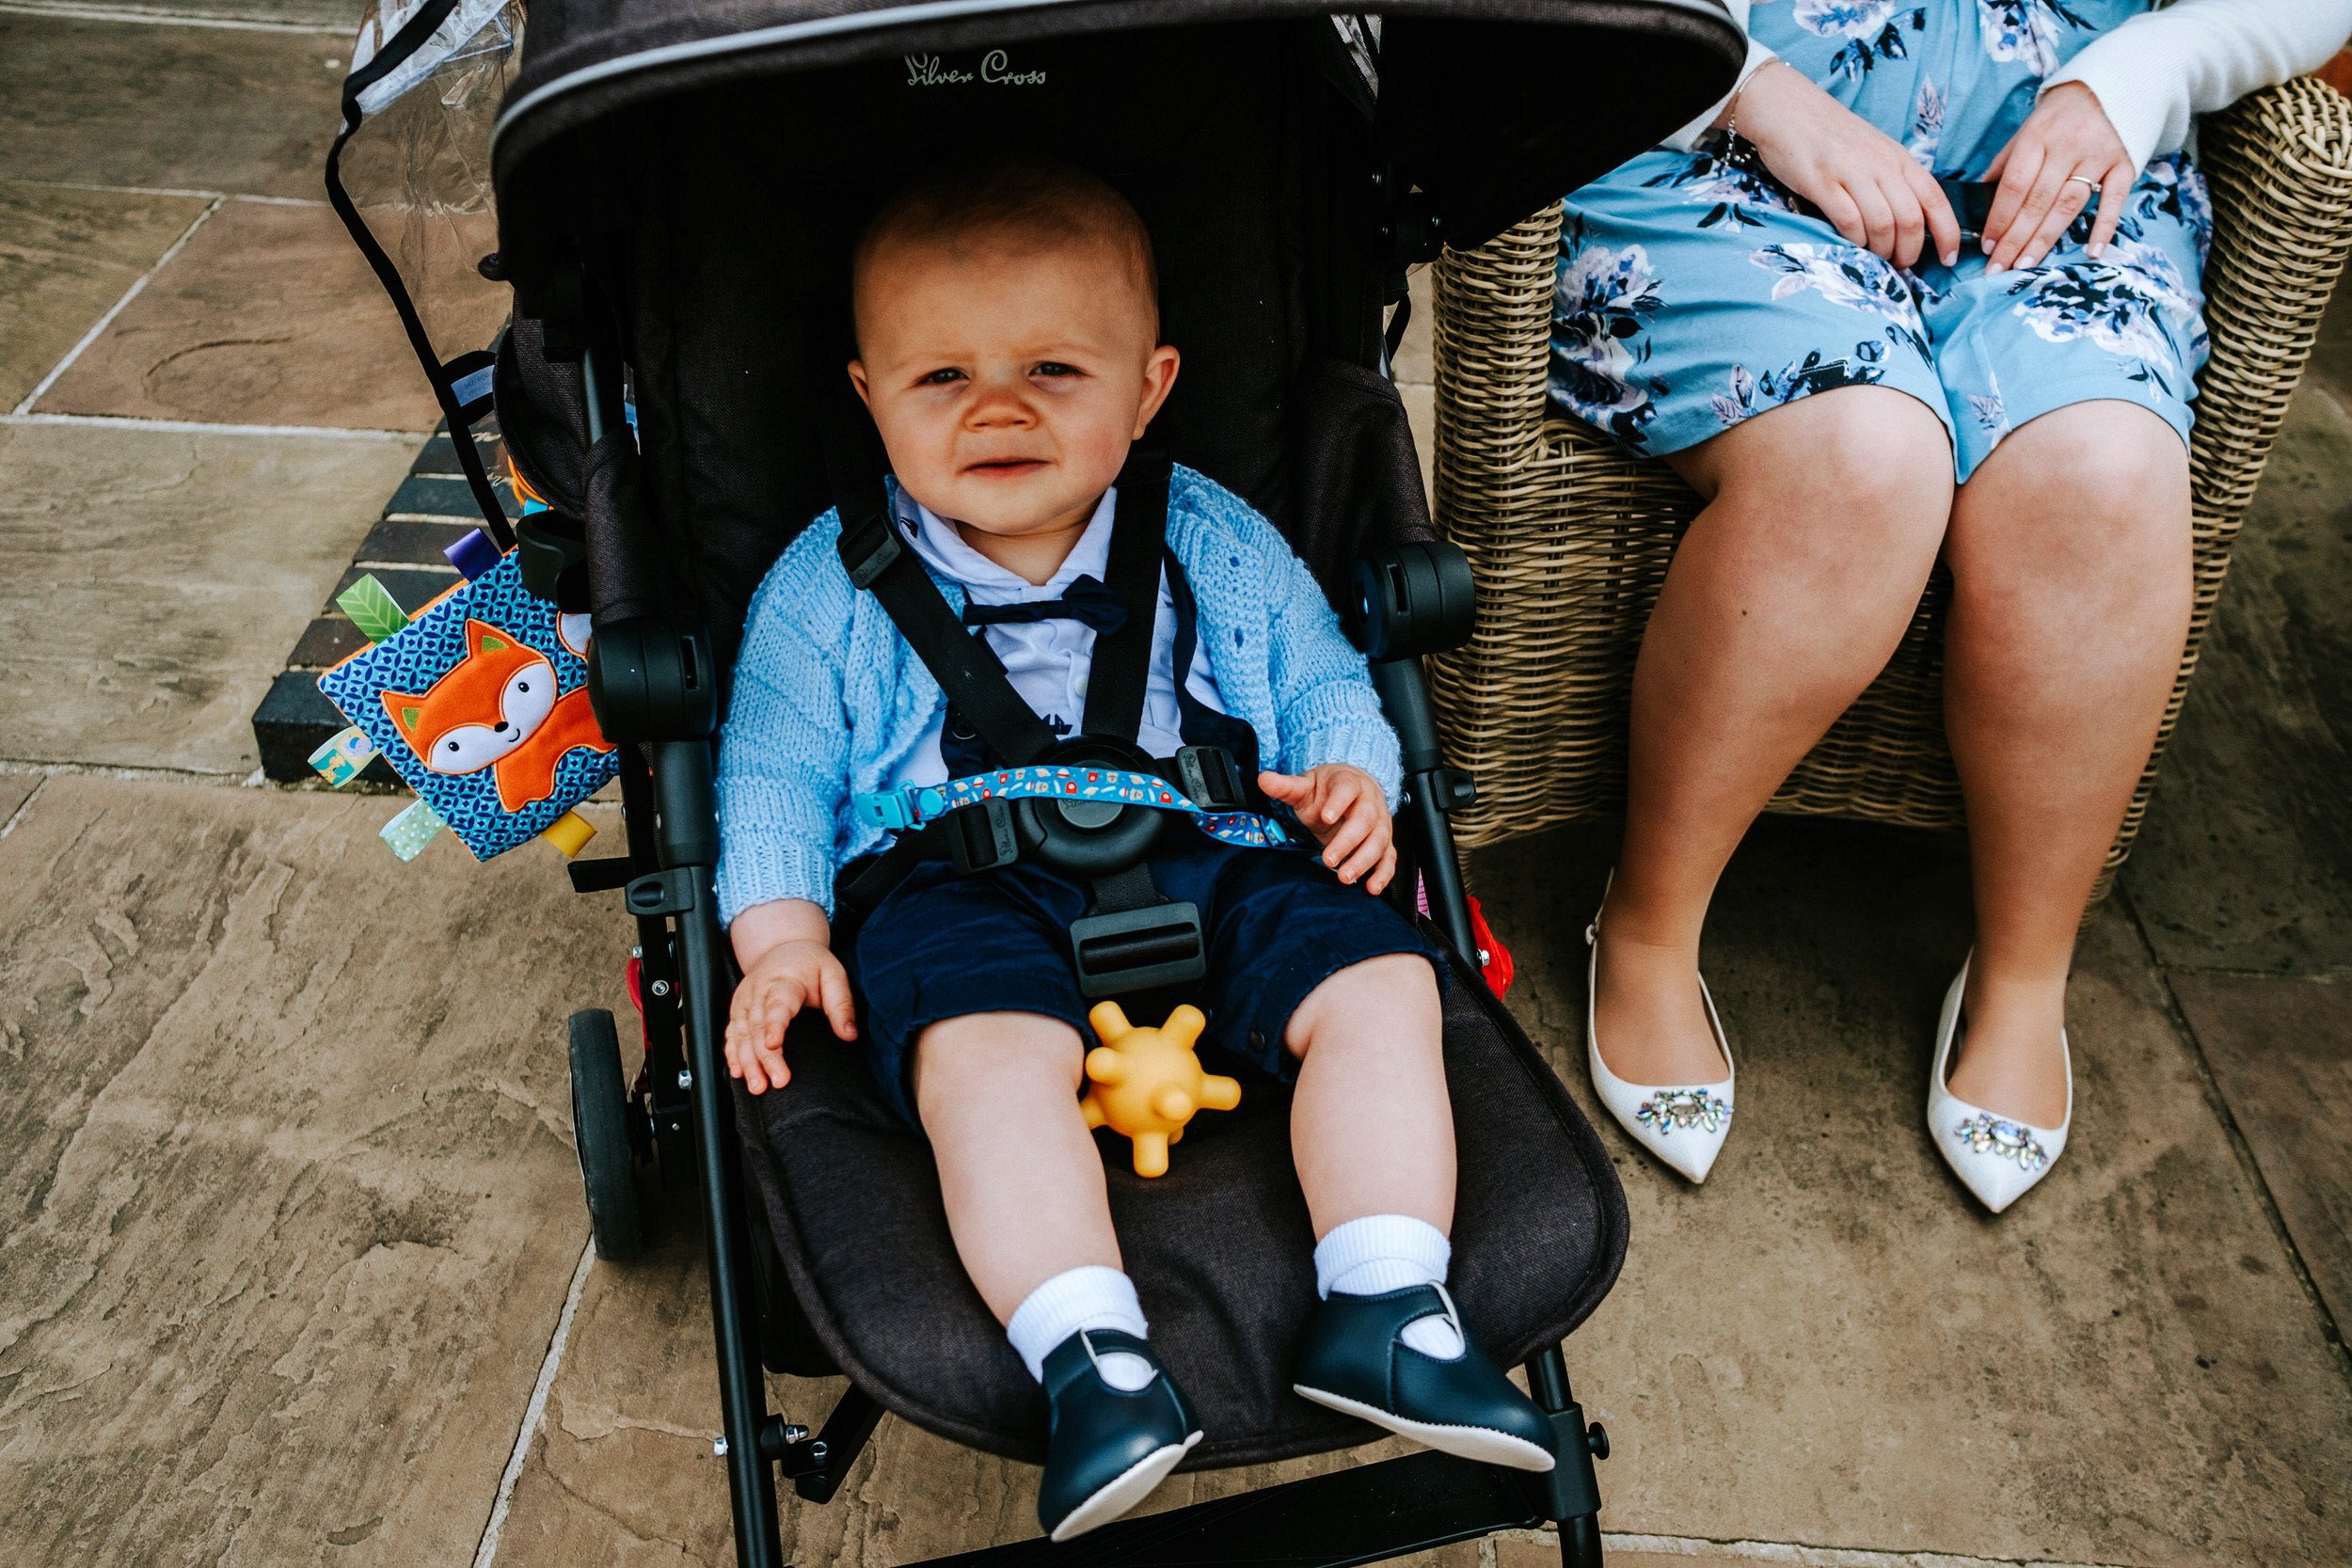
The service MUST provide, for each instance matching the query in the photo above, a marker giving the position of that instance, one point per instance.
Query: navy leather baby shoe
(1355, 1361)
(1118, 1426)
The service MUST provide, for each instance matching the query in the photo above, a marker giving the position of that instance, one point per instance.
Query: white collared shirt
(1050, 660)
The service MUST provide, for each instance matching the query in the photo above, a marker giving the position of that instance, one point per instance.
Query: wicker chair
(1570, 536)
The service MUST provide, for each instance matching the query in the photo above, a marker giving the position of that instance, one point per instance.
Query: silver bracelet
(1731, 111)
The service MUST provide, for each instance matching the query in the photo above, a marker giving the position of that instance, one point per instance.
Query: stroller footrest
(1367, 1515)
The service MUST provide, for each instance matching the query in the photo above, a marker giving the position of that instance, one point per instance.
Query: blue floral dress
(1695, 291)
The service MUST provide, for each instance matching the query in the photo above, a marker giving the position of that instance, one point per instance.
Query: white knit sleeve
(2156, 73)
(1689, 135)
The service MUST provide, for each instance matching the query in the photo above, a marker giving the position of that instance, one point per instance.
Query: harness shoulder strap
(966, 668)
(1121, 671)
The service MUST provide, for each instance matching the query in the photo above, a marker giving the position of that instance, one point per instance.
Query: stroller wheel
(600, 1113)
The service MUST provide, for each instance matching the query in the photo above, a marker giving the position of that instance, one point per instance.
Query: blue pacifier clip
(918, 805)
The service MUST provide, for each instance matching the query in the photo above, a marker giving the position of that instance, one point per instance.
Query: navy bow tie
(1087, 599)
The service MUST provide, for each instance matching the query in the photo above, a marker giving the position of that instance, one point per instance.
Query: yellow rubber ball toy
(1146, 1084)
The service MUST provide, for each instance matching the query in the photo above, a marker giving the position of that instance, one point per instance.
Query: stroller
(678, 186)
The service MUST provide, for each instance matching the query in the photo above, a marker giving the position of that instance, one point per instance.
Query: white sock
(1379, 1253)
(1088, 1297)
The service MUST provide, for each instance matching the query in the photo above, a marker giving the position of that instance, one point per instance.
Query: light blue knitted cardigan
(830, 702)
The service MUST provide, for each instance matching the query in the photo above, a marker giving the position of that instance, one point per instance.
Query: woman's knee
(2097, 493)
(1857, 458)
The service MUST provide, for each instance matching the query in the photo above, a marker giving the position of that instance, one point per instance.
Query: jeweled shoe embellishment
(1690, 1109)
(1986, 1133)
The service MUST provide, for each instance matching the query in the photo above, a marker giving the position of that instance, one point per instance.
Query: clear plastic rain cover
(417, 165)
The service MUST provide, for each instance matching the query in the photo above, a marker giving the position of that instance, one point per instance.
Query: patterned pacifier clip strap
(918, 805)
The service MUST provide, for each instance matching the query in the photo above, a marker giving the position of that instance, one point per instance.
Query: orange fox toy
(498, 709)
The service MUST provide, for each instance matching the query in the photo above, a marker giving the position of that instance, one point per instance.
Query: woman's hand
(787, 966)
(1859, 178)
(2066, 141)
(1342, 807)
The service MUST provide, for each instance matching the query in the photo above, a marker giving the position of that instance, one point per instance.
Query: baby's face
(1008, 375)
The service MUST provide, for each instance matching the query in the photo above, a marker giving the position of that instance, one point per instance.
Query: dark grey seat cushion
(1220, 1247)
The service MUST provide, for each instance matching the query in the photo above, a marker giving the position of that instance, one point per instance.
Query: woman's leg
(1371, 1130)
(1786, 599)
(2070, 552)
(998, 1097)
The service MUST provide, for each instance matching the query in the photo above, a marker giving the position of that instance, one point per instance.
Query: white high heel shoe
(1996, 1158)
(1684, 1125)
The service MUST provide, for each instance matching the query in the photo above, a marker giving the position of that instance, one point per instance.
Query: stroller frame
(1450, 168)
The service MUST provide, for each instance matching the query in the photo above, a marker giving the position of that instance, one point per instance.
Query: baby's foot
(1117, 1426)
(1357, 1359)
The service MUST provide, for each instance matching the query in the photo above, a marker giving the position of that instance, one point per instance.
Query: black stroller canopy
(1492, 107)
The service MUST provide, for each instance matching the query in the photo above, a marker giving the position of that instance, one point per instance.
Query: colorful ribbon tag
(411, 831)
(371, 609)
(569, 832)
(913, 807)
(345, 756)
(473, 555)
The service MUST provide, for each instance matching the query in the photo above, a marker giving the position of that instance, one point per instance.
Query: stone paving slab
(66, 256)
(2281, 1049)
(1415, 372)
(156, 579)
(288, 1200)
(1519, 1552)
(1420, 413)
(1416, 358)
(268, 315)
(1828, 1344)
(336, 18)
(157, 106)
(15, 789)
(2246, 861)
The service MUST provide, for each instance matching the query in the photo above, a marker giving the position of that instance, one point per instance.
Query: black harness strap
(1131, 888)
(1121, 670)
(966, 668)
(1199, 723)
(1133, 937)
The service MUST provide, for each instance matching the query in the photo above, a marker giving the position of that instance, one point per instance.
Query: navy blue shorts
(1277, 924)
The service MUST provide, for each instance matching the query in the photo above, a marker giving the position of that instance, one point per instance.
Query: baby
(1008, 351)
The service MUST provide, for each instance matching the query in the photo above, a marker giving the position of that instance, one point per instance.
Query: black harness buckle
(980, 836)
(870, 547)
(1208, 774)
(1125, 950)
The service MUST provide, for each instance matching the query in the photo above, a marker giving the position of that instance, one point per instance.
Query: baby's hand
(1342, 807)
(786, 978)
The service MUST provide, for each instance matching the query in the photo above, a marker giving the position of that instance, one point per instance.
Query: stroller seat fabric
(1220, 1247)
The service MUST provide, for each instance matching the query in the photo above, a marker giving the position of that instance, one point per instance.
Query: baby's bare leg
(999, 1096)
(1371, 1132)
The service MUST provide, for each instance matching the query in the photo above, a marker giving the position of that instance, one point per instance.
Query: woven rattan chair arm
(1492, 336)
(2279, 167)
